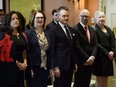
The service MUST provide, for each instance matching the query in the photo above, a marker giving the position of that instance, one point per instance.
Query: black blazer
(103, 43)
(34, 48)
(84, 48)
(61, 48)
(50, 26)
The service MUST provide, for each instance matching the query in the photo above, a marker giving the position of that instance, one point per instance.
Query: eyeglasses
(39, 17)
(84, 16)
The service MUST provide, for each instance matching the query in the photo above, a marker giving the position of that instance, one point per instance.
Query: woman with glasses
(38, 42)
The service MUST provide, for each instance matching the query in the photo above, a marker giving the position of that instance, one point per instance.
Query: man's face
(63, 16)
(84, 17)
(55, 16)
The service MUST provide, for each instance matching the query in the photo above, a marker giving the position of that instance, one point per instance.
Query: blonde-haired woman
(103, 65)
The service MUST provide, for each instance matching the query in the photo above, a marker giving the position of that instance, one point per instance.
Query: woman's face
(14, 21)
(39, 20)
(100, 19)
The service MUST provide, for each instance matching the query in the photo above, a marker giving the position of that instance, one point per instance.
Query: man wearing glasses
(86, 50)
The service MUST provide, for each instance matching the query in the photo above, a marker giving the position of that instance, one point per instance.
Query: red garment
(87, 33)
(5, 46)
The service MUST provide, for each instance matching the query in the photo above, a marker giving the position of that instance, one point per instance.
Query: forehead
(85, 12)
(14, 15)
(38, 14)
(55, 13)
(63, 12)
(101, 14)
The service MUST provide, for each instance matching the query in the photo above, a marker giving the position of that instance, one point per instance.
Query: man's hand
(75, 69)
(90, 61)
(57, 72)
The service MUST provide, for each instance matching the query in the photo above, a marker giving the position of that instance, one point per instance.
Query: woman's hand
(110, 55)
(21, 66)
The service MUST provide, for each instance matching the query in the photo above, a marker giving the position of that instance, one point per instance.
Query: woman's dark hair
(6, 27)
(32, 23)
(22, 21)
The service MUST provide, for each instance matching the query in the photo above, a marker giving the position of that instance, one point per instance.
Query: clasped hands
(21, 66)
(90, 60)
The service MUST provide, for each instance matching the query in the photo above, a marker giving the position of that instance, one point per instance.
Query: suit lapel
(63, 33)
(82, 31)
(61, 30)
(33, 34)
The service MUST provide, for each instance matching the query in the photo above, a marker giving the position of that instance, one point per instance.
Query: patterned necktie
(87, 33)
(67, 32)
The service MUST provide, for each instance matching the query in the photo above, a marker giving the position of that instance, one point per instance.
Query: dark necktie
(67, 32)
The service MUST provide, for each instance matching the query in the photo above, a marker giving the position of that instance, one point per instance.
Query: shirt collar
(83, 25)
(61, 24)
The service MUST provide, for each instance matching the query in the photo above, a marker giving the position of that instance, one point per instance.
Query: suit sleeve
(53, 50)
(78, 47)
(94, 52)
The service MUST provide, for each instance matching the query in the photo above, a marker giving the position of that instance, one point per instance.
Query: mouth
(16, 24)
(40, 22)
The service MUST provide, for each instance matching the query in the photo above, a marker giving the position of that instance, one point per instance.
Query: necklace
(17, 35)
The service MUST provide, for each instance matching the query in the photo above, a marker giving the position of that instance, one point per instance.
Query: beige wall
(49, 5)
(91, 5)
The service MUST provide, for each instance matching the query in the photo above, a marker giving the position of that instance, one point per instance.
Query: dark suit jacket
(83, 47)
(34, 48)
(61, 48)
(50, 26)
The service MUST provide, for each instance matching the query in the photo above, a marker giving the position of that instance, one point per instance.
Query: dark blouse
(20, 45)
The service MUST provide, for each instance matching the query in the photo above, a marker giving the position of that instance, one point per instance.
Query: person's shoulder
(107, 27)
(28, 32)
(76, 26)
(50, 24)
(2, 35)
(91, 28)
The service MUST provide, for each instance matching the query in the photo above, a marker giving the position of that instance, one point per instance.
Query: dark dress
(20, 46)
(103, 66)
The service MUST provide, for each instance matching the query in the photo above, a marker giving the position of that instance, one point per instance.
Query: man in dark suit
(49, 27)
(86, 50)
(62, 50)
(54, 20)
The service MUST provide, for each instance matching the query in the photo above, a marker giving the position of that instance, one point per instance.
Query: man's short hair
(54, 11)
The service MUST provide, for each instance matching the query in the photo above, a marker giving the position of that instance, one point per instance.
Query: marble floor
(92, 84)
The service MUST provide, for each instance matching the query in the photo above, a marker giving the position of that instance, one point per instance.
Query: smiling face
(14, 21)
(84, 16)
(100, 18)
(38, 20)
